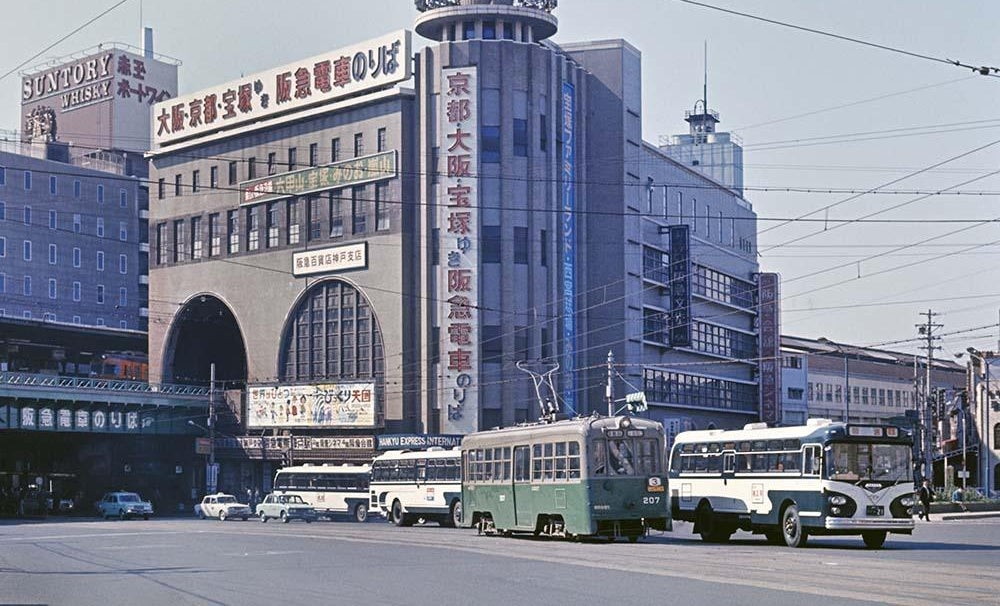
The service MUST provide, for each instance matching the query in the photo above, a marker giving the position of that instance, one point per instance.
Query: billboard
(680, 286)
(458, 219)
(323, 405)
(329, 260)
(568, 113)
(103, 100)
(770, 348)
(324, 78)
(355, 171)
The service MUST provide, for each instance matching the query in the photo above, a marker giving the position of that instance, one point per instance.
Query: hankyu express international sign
(347, 173)
(344, 72)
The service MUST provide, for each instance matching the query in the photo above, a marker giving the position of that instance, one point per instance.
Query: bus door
(523, 514)
(728, 473)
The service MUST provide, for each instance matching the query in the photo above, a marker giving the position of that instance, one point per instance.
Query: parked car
(285, 507)
(123, 505)
(34, 503)
(222, 506)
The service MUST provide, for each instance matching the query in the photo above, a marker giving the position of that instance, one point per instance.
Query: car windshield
(226, 499)
(856, 461)
(128, 497)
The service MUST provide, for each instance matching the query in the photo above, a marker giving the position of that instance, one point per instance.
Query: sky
(814, 114)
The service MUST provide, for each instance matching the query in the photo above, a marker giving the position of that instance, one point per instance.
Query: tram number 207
(650, 500)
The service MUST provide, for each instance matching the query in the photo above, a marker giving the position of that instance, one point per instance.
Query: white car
(222, 506)
(123, 505)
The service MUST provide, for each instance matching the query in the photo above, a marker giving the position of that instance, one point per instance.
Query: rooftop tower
(452, 20)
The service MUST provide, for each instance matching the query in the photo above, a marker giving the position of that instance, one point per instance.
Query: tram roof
(577, 426)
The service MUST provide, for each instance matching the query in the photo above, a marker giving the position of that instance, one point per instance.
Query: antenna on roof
(548, 405)
(704, 90)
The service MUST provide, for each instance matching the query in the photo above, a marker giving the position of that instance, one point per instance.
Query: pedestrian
(926, 494)
(250, 497)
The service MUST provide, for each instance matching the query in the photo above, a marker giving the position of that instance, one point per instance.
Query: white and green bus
(330, 489)
(789, 483)
(412, 485)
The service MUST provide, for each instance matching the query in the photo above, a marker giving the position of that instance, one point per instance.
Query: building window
(161, 188)
(52, 185)
(293, 221)
(27, 215)
(359, 144)
(100, 194)
(508, 30)
(273, 221)
(335, 150)
(468, 30)
(332, 334)
(100, 227)
(213, 177)
(53, 221)
(76, 189)
(3, 247)
(122, 296)
(520, 137)
(492, 343)
(543, 132)
(214, 236)
(26, 250)
(77, 224)
(722, 341)
(161, 243)
(649, 196)
(27, 180)
(678, 388)
(293, 158)
(253, 228)
(3, 175)
(177, 186)
(490, 145)
(52, 288)
(100, 260)
(100, 294)
(272, 163)
(655, 265)
(100, 321)
(435, 160)
(26, 286)
(791, 362)
(521, 245)
(713, 284)
(123, 231)
(358, 215)
(3, 211)
(543, 242)
(233, 223)
(251, 168)
(53, 254)
(490, 247)
(77, 291)
(313, 154)
(180, 243)
(233, 174)
(381, 140)
(315, 218)
(336, 216)
(196, 238)
(654, 326)
(794, 393)
(489, 30)
(381, 208)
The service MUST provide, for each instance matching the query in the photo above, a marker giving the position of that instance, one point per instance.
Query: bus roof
(435, 452)
(326, 468)
(579, 426)
(815, 430)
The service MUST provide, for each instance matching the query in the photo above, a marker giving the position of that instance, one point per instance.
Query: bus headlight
(906, 501)
(838, 500)
(835, 511)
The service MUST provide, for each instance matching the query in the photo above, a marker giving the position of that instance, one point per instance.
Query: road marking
(63, 537)
(247, 554)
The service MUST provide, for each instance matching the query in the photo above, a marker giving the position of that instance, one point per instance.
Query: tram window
(536, 462)
(621, 458)
(506, 464)
(522, 464)
(649, 459)
(598, 458)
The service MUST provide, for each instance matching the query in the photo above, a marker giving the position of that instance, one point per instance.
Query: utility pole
(926, 330)
(212, 476)
(609, 391)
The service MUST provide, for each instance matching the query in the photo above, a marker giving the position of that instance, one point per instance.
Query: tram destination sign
(348, 173)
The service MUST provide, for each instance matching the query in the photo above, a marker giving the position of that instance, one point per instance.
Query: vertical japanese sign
(458, 218)
(770, 348)
(680, 286)
(568, 113)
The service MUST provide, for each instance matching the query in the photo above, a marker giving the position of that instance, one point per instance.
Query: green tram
(582, 477)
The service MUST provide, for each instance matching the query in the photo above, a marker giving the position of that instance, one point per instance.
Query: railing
(100, 384)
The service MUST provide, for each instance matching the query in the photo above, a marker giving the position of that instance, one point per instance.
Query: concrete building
(343, 230)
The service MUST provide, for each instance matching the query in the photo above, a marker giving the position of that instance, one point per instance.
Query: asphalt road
(188, 561)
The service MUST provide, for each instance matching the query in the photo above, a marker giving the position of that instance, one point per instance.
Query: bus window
(811, 461)
(522, 464)
(621, 457)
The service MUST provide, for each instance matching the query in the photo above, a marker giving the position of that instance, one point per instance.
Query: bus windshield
(857, 461)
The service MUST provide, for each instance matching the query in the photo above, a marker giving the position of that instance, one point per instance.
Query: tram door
(523, 514)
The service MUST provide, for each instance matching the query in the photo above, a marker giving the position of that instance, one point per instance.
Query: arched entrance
(332, 334)
(206, 332)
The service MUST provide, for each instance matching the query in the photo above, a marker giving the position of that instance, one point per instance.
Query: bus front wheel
(398, 517)
(874, 539)
(791, 527)
(711, 528)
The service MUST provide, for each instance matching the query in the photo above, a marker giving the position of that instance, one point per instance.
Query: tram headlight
(838, 500)
(625, 423)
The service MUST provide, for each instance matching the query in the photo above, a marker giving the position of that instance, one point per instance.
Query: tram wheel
(874, 539)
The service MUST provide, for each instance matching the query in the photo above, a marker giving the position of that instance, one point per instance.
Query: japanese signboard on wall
(355, 171)
(321, 79)
(95, 418)
(770, 348)
(316, 405)
(679, 324)
(333, 259)
(458, 220)
(568, 113)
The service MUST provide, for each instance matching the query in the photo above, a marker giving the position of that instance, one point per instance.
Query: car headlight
(838, 500)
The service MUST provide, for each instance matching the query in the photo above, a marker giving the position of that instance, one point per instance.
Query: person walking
(926, 495)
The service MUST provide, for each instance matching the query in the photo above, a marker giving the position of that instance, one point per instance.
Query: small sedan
(222, 506)
(285, 507)
(123, 505)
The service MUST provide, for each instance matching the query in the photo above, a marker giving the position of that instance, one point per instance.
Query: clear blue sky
(758, 73)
